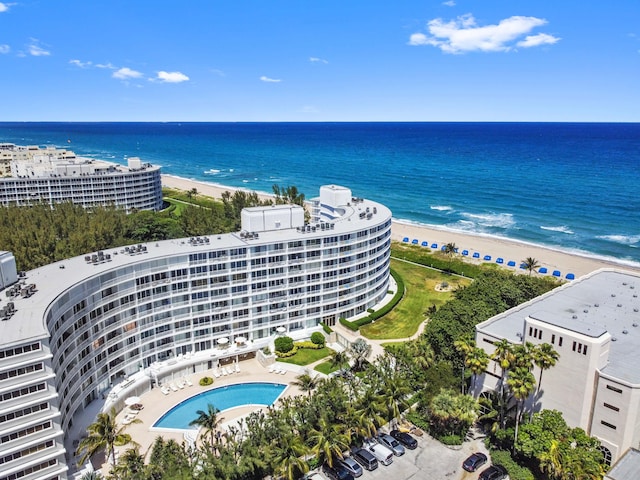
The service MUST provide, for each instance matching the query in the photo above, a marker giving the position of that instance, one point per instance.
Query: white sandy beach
(495, 247)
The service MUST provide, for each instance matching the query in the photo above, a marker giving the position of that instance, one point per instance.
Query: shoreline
(506, 248)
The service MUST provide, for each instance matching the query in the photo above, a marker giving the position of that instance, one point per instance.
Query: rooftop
(52, 280)
(605, 301)
(627, 467)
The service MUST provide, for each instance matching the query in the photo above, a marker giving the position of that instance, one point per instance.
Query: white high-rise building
(82, 334)
(594, 324)
(51, 175)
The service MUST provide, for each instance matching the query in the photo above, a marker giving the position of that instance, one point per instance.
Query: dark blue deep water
(570, 186)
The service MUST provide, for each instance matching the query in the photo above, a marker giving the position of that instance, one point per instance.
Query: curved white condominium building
(51, 175)
(80, 335)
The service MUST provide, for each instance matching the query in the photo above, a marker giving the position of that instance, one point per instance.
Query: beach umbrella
(281, 329)
(223, 341)
(240, 339)
(131, 401)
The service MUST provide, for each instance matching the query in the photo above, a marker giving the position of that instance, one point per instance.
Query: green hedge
(354, 326)
(290, 353)
(206, 381)
(306, 344)
(516, 471)
(327, 329)
(317, 338)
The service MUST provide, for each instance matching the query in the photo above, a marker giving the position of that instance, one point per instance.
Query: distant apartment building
(30, 174)
(594, 324)
(80, 335)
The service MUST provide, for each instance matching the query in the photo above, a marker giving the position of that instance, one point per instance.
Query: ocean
(568, 186)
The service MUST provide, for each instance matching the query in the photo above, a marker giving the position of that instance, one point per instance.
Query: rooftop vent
(574, 316)
(625, 331)
(614, 339)
(613, 295)
(586, 311)
(619, 305)
(634, 324)
(596, 304)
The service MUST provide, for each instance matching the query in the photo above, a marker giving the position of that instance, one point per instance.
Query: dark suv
(494, 472)
(337, 472)
(474, 462)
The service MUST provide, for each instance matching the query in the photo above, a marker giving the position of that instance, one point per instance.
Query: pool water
(223, 398)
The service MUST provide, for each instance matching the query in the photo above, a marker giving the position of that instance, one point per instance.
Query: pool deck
(157, 404)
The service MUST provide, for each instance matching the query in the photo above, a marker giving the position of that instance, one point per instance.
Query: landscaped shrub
(515, 470)
(205, 381)
(311, 345)
(451, 440)
(290, 353)
(327, 329)
(317, 338)
(283, 344)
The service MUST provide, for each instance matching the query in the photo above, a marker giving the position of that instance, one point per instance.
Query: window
(607, 424)
(560, 342)
(615, 409)
(615, 389)
(553, 339)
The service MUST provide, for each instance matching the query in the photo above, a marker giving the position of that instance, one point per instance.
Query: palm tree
(288, 456)
(208, 420)
(522, 384)
(306, 382)
(394, 393)
(130, 465)
(477, 360)
(464, 347)
(369, 415)
(339, 360)
(503, 356)
(104, 434)
(329, 441)
(359, 351)
(450, 251)
(551, 461)
(530, 264)
(422, 353)
(545, 357)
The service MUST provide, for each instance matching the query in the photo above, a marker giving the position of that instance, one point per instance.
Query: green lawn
(325, 367)
(305, 356)
(420, 282)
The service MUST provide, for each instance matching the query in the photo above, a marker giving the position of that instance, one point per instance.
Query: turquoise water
(568, 186)
(223, 398)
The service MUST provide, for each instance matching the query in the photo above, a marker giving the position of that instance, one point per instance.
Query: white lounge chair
(173, 387)
(216, 373)
(272, 368)
(237, 368)
(189, 382)
(283, 371)
(165, 390)
(180, 385)
(224, 371)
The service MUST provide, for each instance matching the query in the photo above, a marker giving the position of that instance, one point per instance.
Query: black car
(494, 472)
(474, 461)
(404, 438)
(337, 472)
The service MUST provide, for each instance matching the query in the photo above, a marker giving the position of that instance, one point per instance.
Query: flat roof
(53, 279)
(626, 468)
(605, 301)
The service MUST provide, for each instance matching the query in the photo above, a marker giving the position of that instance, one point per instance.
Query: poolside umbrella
(131, 401)
(240, 339)
(281, 329)
(223, 341)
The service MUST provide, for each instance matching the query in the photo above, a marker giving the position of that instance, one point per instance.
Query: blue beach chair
(434, 245)
(476, 255)
(414, 241)
(511, 263)
(465, 252)
(405, 240)
(542, 270)
(500, 260)
(487, 258)
(425, 244)
(556, 273)
(570, 276)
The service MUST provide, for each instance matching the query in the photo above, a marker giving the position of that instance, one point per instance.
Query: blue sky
(322, 60)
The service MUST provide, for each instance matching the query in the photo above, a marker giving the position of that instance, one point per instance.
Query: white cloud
(270, 80)
(80, 64)
(218, 72)
(464, 35)
(317, 60)
(4, 7)
(125, 73)
(536, 40)
(171, 77)
(110, 66)
(36, 50)
(449, 3)
(4, 48)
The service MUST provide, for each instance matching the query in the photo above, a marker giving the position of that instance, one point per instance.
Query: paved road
(430, 461)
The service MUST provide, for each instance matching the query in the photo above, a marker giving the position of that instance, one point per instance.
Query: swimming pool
(223, 398)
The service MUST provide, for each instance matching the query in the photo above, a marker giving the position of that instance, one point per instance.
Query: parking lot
(429, 461)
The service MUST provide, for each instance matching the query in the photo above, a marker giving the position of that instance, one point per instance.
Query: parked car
(365, 458)
(383, 454)
(391, 443)
(337, 471)
(494, 472)
(350, 465)
(474, 461)
(404, 438)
